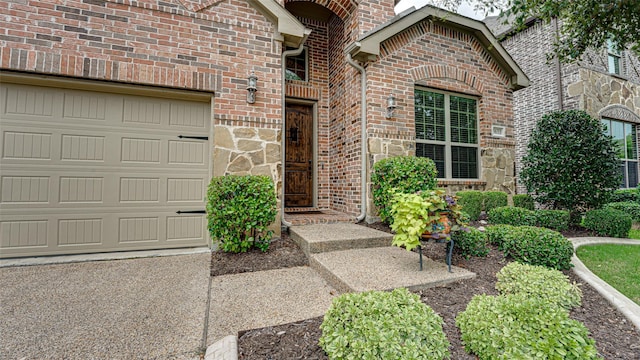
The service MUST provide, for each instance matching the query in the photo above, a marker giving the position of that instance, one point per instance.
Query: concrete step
(320, 238)
(382, 268)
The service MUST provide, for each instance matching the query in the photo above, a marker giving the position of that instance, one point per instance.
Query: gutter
(285, 54)
(558, 69)
(363, 136)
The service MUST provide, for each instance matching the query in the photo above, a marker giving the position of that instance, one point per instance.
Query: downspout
(363, 136)
(558, 69)
(285, 54)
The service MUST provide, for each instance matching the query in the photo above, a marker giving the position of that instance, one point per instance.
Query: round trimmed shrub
(407, 174)
(537, 281)
(496, 234)
(624, 195)
(524, 201)
(494, 199)
(629, 207)
(382, 325)
(239, 211)
(510, 215)
(471, 202)
(538, 246)
(552, 219)
(522, 327)
(608, 222)
(470, 242)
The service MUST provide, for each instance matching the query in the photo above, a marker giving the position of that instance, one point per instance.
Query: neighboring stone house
(116, 113)
(605, 83)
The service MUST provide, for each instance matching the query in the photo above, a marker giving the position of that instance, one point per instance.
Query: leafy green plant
(608, 222)
(471, 202)
(470, 242)
(629, 207)
(570, 163)
(494, 199)
(382, 325)
(406, 174)
(497, 233)
(522, 327)
(524, 201)
(552, 219)
(414, 214)
(239, 210)
(540, 282)
(538, 246)
(624, 195)
(510, 215)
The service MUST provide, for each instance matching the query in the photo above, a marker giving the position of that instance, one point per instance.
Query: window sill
(442, 182)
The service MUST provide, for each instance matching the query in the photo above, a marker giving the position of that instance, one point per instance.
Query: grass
(618, 265)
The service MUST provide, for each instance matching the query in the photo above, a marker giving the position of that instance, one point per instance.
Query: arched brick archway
(427, 72)
(342, 8)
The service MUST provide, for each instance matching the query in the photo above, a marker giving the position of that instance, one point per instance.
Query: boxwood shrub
(239, 210)
(623, 195)
(629, 207)
(494, 199)
(408, 174)
(552, 219)
(608, 222)
(539, 282)
(524, 201)
(538, 246)
(470, 242)
(522, 327)
(497, 233)
(510, 215)
(471, 202)
(382, 325)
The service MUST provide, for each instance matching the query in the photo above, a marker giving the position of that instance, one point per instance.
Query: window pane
(296, 68)
(614, 64)
(622, 171)
(464, 126)
(632, 174)
(464, 162)
(617, 130)
(607, 126)
(430, 121)
(631, 141)
(433, 152)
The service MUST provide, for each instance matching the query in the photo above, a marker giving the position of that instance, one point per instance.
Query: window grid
(625, 136)
(613, 58)
(447, 132)
(296, 68)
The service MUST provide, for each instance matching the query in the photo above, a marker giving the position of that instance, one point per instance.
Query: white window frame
(626, 161)
(613, 55)
(448, 143)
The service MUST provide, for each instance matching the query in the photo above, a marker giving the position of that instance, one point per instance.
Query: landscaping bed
(616, 337)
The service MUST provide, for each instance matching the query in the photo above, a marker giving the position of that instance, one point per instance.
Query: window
(624, 134)
(613, 55)
(297, 66)
(447, 133)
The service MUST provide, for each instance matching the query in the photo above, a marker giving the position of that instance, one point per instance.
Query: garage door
(85, 172)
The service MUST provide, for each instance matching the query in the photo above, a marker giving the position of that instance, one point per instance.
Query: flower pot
(439, 229)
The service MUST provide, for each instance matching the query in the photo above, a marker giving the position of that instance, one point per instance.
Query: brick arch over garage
(342, 8)
(435, 72)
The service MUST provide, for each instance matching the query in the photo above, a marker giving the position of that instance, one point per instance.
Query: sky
(464, 9)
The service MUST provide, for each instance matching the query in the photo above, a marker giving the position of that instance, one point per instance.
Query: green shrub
(239, 210)
(510, 215)
(494, 199)
(407, 174)
(471, 201)
(540, 282)
(608, 222)
(570, 162)
(472, 242)
(552, 219)
(497, 233)
(382, 325)
(538, 246)
(624, 195)
(522, 327)
(524, 201)
(629, 207)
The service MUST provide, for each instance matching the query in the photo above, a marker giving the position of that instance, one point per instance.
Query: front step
(320, 238)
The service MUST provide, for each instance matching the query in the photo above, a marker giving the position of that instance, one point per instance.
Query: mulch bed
(616, 338)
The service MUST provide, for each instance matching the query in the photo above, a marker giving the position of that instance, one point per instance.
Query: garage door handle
(191, 212)
(193, 137)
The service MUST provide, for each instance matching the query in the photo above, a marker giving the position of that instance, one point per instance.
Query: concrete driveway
(148, 308)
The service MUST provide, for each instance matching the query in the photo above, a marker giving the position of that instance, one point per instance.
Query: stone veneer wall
(596, 91)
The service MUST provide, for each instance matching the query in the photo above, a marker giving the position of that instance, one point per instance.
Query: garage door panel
(93, 172)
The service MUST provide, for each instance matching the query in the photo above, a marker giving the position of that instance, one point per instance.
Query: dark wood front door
(298, 167)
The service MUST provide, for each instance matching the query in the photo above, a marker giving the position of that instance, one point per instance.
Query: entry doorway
(299, 167)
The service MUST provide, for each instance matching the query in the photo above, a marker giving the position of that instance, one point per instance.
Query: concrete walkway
(151, 308)
(627, 307)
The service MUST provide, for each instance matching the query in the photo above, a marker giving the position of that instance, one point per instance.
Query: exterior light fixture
(252, 88)
(391, 106)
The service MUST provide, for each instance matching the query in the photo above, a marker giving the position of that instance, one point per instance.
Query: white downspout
(363, 136)
(292, 52)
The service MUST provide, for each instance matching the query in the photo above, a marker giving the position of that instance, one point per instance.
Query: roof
(501, 28)
(290, 30)
(367, 47)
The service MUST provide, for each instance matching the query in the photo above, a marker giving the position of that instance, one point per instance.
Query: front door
(298, 167)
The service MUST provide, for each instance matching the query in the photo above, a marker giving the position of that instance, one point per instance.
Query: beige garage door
(86, 172)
